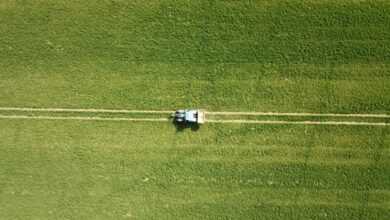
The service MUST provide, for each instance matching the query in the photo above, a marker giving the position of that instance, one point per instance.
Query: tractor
(189, 116)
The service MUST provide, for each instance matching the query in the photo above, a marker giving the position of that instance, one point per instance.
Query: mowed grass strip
(113, 169)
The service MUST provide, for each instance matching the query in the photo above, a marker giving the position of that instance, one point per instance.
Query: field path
(301, 114)
(300, 122)
(91, 110)
(84, 118)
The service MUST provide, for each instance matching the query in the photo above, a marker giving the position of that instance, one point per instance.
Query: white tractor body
(189, 116)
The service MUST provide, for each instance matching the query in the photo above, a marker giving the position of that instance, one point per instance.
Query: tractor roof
(191, 116)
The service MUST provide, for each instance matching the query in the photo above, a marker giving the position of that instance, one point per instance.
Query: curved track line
(209, 121)
(91, 110)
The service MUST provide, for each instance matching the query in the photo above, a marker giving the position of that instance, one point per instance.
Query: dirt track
(91, 110)
(152, 119)
(208, 121)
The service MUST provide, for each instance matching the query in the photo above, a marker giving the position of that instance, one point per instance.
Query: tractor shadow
(180, 127)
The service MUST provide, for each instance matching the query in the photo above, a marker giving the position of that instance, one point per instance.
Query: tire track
(354, 123)
(299, 114)
(84, 118)
(92, 110)
(88, 110)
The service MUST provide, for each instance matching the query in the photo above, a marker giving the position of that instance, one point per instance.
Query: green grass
(329, 56)
(94, 170)
(320, 56)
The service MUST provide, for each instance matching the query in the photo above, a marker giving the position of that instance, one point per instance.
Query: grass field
(318, 56)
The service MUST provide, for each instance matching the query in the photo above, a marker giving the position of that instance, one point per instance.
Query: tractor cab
(185, 116)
